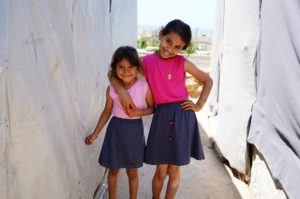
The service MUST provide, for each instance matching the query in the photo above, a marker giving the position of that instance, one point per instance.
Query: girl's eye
(132, 66)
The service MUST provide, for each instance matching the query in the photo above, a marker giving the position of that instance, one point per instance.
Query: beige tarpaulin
(54, 56)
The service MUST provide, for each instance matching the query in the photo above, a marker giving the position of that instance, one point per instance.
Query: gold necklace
(169, 75)
(170, 72)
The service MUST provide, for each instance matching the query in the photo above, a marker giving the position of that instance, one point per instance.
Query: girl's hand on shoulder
(89, 140)
(190, 105)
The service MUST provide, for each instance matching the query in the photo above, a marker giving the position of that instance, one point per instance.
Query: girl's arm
(125, 98)
(207, 85)
(105, 115)
(148, 110)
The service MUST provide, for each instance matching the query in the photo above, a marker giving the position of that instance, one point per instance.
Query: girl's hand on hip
(89, 140)
(190, 105)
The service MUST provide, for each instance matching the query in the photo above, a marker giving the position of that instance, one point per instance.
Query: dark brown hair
(181, 28)
(125, 52)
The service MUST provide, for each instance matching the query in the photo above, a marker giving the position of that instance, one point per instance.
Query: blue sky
(196, 13)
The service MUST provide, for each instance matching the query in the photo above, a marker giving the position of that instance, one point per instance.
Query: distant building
(203, 42)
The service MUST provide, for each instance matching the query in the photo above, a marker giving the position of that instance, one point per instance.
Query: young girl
(174, 134)
(124, 142)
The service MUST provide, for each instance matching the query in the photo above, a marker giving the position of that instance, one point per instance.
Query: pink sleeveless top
(165, 90)
(137, 92)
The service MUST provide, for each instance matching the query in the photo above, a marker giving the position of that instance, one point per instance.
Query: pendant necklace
(170, 73)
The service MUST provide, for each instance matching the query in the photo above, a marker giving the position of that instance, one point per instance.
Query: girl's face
(126, 72)
(170, 45)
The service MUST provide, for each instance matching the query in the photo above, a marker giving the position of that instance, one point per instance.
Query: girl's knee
(132, 173)
(161, 174)
(113, 172)
(173, 170)
(174, 183)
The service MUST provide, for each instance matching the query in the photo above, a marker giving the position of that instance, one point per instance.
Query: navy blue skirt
(124, 144)
(174, 136)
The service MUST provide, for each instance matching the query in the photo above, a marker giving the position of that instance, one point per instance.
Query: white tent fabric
(216, 56)
(275, 126)
(235, 83)
(54, 57)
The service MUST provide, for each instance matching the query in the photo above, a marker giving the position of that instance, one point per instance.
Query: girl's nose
(127, 70)
(170, 51)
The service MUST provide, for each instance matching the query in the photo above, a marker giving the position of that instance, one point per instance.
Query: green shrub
(191, 49)
(142, 43)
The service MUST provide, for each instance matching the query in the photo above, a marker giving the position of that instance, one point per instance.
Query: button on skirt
(174, 136)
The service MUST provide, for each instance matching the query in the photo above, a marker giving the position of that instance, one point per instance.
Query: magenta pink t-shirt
(157, 72)
(137, 92)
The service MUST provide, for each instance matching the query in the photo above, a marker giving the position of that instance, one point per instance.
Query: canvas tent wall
(275, 126)
(233, 70)
(54, 57)
(258, 97)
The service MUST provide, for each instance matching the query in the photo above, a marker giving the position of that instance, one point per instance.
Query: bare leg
(112, 183)
(174, 179)
(133, 180)
(158, 180)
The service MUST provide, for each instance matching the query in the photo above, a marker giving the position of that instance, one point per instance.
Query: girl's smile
(126, 72)
(170, 45)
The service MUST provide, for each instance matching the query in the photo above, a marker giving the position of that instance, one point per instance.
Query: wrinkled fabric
(54, 58)
(275, 126)
(233, 68)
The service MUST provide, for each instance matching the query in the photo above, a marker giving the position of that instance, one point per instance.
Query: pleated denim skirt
(124, 144)
(174, 136)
